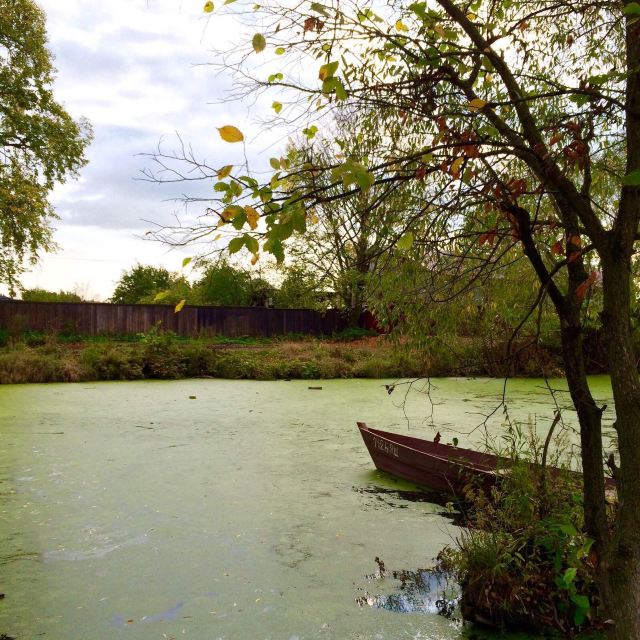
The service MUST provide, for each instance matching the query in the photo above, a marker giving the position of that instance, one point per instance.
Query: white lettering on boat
(386, 446)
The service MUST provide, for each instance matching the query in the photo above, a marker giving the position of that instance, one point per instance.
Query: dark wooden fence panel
(96, 318)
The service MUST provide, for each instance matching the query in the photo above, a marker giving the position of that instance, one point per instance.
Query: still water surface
(252, 511)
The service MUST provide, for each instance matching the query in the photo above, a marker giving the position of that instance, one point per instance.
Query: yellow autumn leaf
(224, 171)
(401, 26)
(256, 257)
(208, 7)
(476, 104)
(313, 219)
(179, 306)
(471, 16)
(229, 133)
(252, 216)
(456, 165)
(229, 214)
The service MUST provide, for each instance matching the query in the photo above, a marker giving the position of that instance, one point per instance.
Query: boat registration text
(386, 446)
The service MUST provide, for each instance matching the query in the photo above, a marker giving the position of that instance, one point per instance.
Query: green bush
(112, 363)
(524, 562)
(199, 360)
(161, 355)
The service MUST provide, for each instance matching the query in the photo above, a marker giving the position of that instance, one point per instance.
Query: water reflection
(413, 591)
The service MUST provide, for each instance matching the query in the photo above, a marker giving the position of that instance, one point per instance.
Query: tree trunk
(621, 565)
(590, 419)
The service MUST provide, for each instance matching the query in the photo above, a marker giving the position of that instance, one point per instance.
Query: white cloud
(130, 67)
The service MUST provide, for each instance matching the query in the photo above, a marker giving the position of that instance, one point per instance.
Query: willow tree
(40, 144)
(519, 123)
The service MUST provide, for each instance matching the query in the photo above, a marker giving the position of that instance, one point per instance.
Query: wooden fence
(97, 318)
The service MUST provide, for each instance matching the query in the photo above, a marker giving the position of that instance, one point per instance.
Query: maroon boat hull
(438, 467)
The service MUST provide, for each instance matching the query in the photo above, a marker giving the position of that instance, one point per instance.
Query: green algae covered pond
(214, 509)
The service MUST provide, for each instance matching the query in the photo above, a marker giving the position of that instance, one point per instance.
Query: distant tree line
(222, 284)
(42, 295)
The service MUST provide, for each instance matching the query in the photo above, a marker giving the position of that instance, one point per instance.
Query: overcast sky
(131, 67)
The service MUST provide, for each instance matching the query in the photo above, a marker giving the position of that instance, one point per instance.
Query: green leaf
(568, 529)
(321, 9)
(632, 179)
(236, 244)
(579, 616)
(310, 132)
(363, 178)
(600, 79)
(580, 99)
(329, 85)
(341, 92)
(405, 242)
(251, 243)
(420, 9)
(328, 70)
(275, 163)
(299, 220)
(277, 106)
(239, 220)
(632, 9)
(279, 51)
(185, 262)
(281, 231)
(581, 601)
(569, 575)
(274, 247)
(258, 43)
(367, 14)
(582, 608)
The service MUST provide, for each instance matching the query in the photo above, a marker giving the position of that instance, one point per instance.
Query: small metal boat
(440, 467)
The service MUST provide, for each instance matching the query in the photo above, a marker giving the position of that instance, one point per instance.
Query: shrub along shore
(34, 357)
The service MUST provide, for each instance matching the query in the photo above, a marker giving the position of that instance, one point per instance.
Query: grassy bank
(47, 358)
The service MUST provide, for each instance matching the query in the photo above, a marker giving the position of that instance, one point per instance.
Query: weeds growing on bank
(355, 353)
(525, 562)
